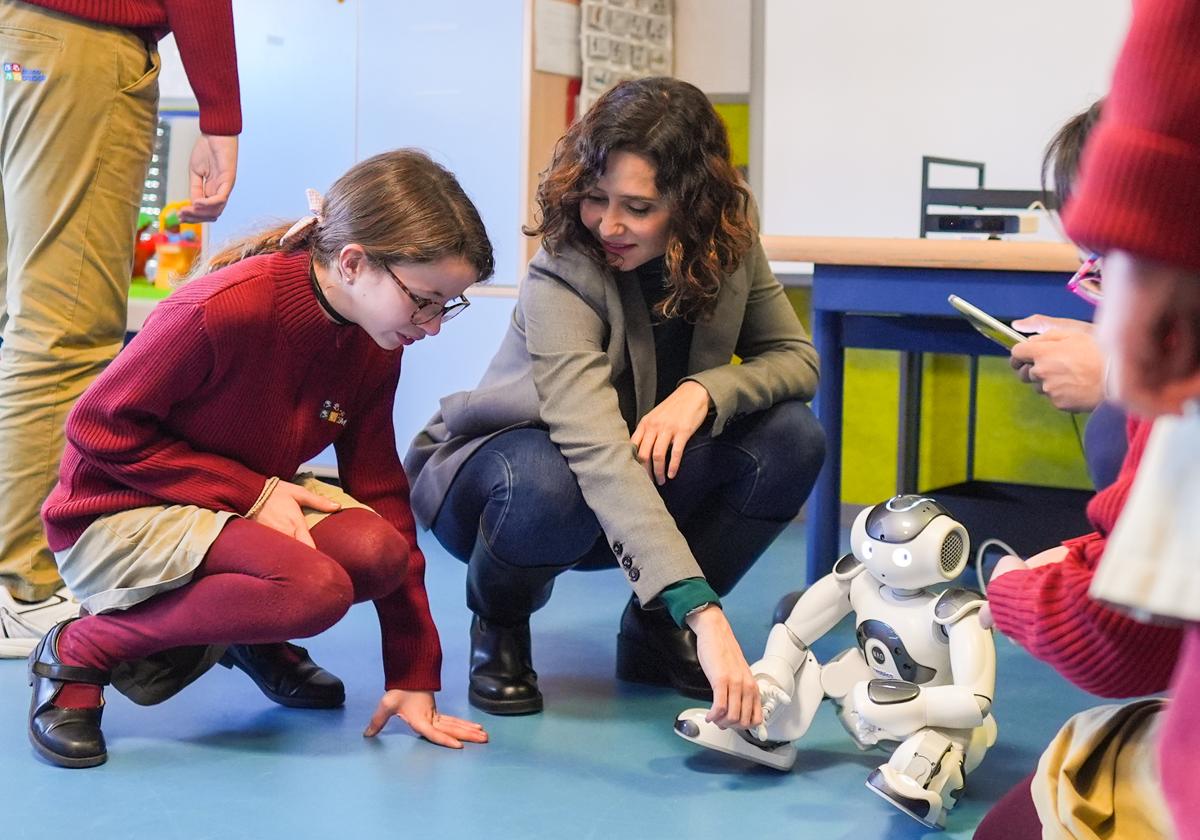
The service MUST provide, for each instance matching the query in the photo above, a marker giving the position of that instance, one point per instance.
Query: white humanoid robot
(923, 672)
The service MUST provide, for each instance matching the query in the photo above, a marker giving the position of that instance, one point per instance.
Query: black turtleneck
(672, 336)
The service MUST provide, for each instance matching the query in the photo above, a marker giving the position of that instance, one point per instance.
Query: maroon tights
(1013, 817)
(254, 586)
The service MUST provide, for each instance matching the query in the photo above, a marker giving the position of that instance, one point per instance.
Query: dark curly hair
(673, 125)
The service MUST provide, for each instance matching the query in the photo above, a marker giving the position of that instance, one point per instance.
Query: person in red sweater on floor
(179, 519)
(1126, 771)
(1138, 201)
(79, 105)
(1043, 605)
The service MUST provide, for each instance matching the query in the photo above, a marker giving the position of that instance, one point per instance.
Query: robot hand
(773, 698)
(901, 708)
(864, 734)
(893, 706)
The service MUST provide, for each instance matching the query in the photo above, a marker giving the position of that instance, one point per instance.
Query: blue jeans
(732, 496)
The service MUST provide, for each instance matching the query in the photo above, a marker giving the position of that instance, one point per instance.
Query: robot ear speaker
(953, 554)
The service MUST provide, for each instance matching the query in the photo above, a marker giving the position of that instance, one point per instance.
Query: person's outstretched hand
(213, 168)
(282, 510)
(419, 711)
(736, 699)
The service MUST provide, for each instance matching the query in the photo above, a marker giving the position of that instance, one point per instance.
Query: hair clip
(304, 226)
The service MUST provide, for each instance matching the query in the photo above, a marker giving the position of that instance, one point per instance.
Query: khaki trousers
(1099, 780)
(78, 105)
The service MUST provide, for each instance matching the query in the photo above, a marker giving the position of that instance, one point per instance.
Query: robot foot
(909, 796)
(691, 726)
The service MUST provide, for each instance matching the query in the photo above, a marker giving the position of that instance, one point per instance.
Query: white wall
(857, 91)
(325, 84)
(712, 45)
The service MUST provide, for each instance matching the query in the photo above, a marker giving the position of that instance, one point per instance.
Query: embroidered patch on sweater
(14, 72)
(333, 412)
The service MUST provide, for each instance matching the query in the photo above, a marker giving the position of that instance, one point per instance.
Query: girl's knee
(373, 554)
(319, 596)
(381, 563)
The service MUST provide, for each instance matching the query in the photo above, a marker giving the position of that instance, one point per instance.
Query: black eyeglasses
(428, 310)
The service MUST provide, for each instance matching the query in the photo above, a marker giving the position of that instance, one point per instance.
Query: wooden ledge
(1000, 255)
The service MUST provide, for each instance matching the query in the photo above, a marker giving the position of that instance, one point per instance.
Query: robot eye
(868, 548)
(902, 557)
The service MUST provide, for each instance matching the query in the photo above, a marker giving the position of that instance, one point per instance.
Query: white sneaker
(22, 625)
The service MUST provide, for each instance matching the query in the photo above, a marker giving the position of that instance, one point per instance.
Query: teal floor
(221, 761)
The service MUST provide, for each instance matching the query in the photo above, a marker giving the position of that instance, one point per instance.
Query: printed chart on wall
(623, 39)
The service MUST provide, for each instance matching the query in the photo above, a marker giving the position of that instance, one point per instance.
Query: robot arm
(822, 606)
(973, 658)
(902, 708)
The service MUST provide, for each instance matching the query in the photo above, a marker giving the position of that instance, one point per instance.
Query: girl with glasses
(178, 518)
(613, 426)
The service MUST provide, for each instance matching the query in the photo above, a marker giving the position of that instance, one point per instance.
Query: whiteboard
(856, 91)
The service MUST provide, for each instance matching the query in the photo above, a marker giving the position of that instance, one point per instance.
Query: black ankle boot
(502, 597)
(502, 680)
(651, 649)
(285, 673)
(63, 737)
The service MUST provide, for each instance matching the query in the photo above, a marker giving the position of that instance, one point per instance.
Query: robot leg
(982, 737)
(838, 678)
(924, 776)
(786, 717)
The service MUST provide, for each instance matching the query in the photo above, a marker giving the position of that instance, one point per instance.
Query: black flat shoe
(285, 673)
(653, 651)
(63, 737)
(502, 679)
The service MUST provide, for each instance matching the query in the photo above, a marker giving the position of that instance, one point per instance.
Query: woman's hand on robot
(736, 700)
(282, 511)
(419, 711)
(660, 438)
(773, 697)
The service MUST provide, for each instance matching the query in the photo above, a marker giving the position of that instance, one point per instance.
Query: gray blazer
(565, 364)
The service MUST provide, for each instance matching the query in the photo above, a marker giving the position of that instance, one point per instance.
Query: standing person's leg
(78, 119)
(516, 516)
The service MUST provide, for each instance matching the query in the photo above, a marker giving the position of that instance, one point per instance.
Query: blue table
(890, 294)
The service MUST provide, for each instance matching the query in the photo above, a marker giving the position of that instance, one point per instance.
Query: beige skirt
(1099, 776)
(124, 558)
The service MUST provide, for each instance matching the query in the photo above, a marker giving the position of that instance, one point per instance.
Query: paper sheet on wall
(556, 37)
(623, 39)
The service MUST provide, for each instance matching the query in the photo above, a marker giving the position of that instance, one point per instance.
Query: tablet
(997, 331)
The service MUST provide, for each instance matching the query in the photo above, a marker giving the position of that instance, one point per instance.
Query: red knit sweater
(226, 385)
(1047, 609)
(204, 33)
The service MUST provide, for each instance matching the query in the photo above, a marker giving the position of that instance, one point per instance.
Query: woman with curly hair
(613, 425)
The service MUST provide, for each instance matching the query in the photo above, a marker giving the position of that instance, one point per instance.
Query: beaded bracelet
(268, 489)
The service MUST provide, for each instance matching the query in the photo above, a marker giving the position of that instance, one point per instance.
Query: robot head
(909, 542)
